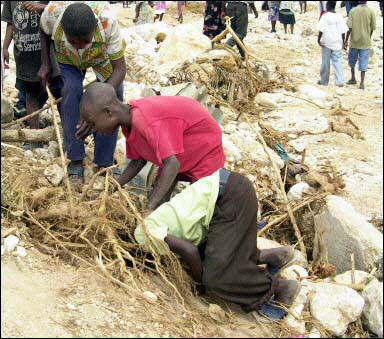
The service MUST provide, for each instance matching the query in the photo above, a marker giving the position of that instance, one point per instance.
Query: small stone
(294, 272)
(10, 243)
(53, 149)
(150, 297)
(28, 154)
(20, 251)
(54, 174)
(296, 191)
(340, 91)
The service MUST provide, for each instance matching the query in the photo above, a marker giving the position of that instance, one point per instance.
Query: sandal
(351, 82)
(75, 173)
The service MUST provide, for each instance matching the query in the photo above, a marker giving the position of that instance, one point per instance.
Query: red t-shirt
(165, 126)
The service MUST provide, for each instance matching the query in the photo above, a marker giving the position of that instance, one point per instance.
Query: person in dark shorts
(23, 20)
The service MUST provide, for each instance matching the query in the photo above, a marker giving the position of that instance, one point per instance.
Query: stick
(11, 146)
(353, 277)
(310, 101)
(49, 105)
(63, 162)
(285, 215)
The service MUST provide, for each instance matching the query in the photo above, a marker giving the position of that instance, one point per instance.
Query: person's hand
(256, 15)
(44, 74)
(6, 57)
(32, 6)
(83, 130)
(345, 45)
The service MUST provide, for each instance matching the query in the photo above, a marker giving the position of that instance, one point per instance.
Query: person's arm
(133, 168)
(319, 39)
(118, 73)
(168, 175)
(189, 253)
(7, 42)
(343, 37)
(33, 6)
(45, 70)
(347, 37)
(253, 7)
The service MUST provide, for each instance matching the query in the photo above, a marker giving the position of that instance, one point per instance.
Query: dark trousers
(69, 109)
(239, 22)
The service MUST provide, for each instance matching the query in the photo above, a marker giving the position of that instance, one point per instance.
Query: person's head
(331, 5)
(362, 2)
(100, 107)
(79, 24)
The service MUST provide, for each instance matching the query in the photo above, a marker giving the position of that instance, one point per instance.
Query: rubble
(373, 309)
(10, 243)
(345, 231)
(55, 174)
(335, 307)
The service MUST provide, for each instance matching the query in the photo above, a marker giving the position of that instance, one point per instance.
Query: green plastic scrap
(282, 153)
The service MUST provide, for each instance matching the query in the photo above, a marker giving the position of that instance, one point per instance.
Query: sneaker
(19, 111)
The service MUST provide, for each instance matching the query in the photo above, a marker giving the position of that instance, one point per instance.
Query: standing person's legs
(337, 62)
(33, 90)
(239, 23)
(352, 59)
(363, 64)
(105, 145)
(69, 110)
(292, 26)
(285, 28)
(325, 66)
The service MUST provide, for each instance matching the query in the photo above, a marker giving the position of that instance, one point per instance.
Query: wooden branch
(63, 162)
(285, 215)
(31, 135)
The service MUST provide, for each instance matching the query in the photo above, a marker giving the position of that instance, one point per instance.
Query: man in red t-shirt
(175, 133)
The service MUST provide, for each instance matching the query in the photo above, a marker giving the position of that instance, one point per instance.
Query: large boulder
(183, 44)
(373, 310)
(345, 231)
(335, 307)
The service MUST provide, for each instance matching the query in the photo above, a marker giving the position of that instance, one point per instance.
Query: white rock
(268, 100)
(373, 309)
(2, 250)
(55, 174)
(6, 110)
(335, 307)
(314, 333)
(20, 251)
(53, 149)
(345, 231)
(294, 272)
(150, 297)
(28, 154)
(312, 92)
(71, 307)
(346, 277)
(230, 148)
(296, 191)
(10, 243)
(340, 91)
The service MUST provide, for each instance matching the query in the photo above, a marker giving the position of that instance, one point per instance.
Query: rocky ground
(42, 296)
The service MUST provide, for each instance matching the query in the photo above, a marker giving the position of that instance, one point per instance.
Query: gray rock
(345, 231)
(268, 100)
(53, 149)
(373, 310)
(335, 307)
(54, 174)
(6, 110)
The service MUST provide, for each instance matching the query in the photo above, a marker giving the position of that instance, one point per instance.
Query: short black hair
(78, 20)
(331, 5)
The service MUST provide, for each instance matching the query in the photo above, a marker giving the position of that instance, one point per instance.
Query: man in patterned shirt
(84, 34)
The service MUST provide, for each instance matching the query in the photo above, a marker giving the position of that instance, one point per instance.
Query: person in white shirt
(332, 29)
